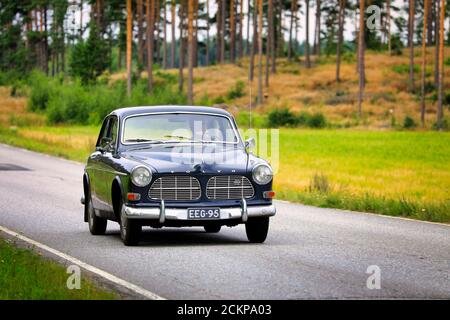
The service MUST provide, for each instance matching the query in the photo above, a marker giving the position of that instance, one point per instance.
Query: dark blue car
(175, 166)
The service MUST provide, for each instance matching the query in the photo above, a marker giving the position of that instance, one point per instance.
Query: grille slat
(175, 188)
(229, 187)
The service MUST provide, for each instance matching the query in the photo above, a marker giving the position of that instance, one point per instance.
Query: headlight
(262, 174)
(141, 176)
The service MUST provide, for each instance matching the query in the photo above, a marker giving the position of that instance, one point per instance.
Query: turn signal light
(269, 194)
(133, 196)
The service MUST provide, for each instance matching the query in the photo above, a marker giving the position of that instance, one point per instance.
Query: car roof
(125, 112)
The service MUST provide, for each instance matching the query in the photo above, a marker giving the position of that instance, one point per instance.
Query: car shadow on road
(184, 237)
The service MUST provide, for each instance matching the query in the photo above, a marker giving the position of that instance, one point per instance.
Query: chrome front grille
(229, 187)
(175, 188)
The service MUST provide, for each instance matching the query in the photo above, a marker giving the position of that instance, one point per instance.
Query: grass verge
(25, 275)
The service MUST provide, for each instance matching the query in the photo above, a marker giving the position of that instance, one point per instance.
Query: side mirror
(104, 142)
(250, 144)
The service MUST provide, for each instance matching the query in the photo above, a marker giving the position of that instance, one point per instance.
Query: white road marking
(132, 287)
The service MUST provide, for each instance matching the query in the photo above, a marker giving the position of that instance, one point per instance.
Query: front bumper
(162, 213)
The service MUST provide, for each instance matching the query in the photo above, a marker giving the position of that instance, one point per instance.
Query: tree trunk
(424, 59)
(129, 44)
(291, 25)
(318, 26)
(139, 9)
(361, 57)
(273, 49)
(269, 42)
(195, 34)
(164, 35)
(430, 22)
(219, 13)
(252, 46)
(181, 53)
(174, 41)
(150, 13)
(45, 41)
(437, 43)
(388, 4)
(411, 45)
(190, 51)
(440, 111)
(207, 34)
(222, 33)
(340, 39)
(241, 39)
(157, 26)
(232, 31)
(260, 49)
(119, 49)
(308, 59)
(248, 27)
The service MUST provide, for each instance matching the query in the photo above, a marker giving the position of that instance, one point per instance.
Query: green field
(398, 173)
(25, 275)
(391, 172)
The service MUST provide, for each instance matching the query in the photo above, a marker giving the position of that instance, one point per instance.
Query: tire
(212, 228)
(130, 230)
(97, 225)
(257, 229)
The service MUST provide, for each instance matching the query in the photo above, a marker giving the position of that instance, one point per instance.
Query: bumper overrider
(163, 213)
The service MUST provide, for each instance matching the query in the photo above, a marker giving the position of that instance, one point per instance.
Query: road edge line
(101, 273)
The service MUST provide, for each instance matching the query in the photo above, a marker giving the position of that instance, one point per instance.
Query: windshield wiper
(189, 139)
(144, 140)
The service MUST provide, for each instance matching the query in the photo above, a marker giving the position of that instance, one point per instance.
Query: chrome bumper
(162, 213)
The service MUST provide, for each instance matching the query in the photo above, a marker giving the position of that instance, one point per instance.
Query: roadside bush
(285, 118)
(76, 103)
(404, 68)
(319, 183)
(258, 120)
(41, 89)
(317, 120)
(237, 91)
(409, 123)
(282, 117)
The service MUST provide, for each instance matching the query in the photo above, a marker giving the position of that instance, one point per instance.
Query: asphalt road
(309, 253)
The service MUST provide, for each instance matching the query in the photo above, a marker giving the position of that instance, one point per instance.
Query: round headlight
(141, 176)
(262, 174)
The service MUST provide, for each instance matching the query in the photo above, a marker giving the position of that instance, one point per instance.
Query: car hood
(191, 158)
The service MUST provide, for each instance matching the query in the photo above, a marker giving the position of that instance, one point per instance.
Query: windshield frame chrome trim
(232, 123)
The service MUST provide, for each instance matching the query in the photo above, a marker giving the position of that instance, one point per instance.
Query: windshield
(180, 127)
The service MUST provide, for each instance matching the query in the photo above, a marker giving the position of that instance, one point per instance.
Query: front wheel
(257, 229)
(97, 225)
(130, 230)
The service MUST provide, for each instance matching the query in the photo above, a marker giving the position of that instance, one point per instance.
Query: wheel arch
(86, 191)
(117, 196)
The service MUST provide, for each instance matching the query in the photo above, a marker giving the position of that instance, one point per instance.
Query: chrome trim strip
(236, 132)
(162, 212)
(244, 210)
(181, 213)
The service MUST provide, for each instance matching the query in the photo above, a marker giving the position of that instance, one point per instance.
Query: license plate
(203, 213)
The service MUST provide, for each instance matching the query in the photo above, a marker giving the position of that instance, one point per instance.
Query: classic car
(175, 166)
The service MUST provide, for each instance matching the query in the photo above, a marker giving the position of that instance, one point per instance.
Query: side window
(103, 132)
(112, 130)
